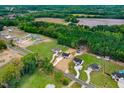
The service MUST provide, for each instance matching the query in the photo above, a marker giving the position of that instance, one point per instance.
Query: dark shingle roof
(77, 61)
(119, 75)
(65, 54)
(94, 66)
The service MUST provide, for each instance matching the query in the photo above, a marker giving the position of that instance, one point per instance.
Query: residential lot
(101, 78)
(44, 49)
(21, 38)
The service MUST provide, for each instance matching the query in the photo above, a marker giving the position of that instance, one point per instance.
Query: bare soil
(7, 55)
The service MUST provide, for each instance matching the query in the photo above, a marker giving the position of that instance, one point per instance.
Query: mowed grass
(51, 20)
(44, 49)
(99, 79)
(38, 80)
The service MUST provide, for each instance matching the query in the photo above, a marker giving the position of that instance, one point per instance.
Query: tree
(30, 63)
(2, 45)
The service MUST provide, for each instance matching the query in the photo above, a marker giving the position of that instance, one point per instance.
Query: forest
(99, 11)
(102, 40)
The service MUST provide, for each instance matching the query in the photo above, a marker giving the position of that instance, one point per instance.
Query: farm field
(38, 80)
(98, 21)
(44, 49)
(99, 79)
(51, 20)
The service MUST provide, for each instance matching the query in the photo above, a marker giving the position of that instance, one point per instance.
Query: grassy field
(44, 49)
(38, 80)
(99, 78)
(52, 20)
(76, 85)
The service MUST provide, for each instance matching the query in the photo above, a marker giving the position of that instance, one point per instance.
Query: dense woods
(100, 41)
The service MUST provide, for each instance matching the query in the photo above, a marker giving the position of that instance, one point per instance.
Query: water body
(99, 21)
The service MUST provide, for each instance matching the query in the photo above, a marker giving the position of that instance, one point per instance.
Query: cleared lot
(7, 55)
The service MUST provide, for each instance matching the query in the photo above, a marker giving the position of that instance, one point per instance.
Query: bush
(65, 81)
(30, 63)
(2, 45)
(10, 74)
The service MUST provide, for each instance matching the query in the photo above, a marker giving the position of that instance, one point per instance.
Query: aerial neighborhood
(61, 47)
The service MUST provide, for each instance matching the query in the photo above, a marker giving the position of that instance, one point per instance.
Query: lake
(98, 21)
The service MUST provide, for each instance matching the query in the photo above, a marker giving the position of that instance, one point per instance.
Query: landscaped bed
(99, 79)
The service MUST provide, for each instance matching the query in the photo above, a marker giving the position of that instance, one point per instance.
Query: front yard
(99, 79)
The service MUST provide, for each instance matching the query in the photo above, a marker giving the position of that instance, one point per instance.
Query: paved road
(81, 82)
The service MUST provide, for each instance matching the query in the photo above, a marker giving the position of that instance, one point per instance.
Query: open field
(100, 79)
(7, 55)
(44, 49)
(52, 20)
(38, 80)
(98, 21)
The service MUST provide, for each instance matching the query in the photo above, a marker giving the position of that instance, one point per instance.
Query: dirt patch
(63, 65)
(15, 31)
(7, 55)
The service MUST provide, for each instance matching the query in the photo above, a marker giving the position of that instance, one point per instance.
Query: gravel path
(70, 84)
(54, 55)
(77, 69)
(121, 83)
(57, 60)
(88, 71)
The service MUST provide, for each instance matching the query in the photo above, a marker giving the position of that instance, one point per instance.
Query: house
(107, 58)
(78, 61)
(65, 55)
(56, 50)
(118, 75)
(94, 67)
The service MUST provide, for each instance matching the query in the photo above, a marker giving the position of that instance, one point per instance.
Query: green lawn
(99, 78)
(38, 80)
(44, 49)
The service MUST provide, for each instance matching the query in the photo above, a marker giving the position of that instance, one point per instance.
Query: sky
(61, 2)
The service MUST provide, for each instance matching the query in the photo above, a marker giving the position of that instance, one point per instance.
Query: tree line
(105, 43)
(102, 40)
